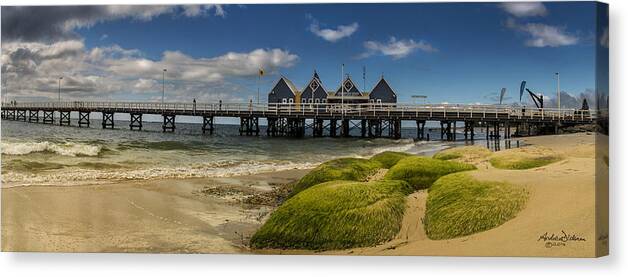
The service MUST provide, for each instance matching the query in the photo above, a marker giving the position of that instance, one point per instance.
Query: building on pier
(348, 92)
(314, 92)
(382, 93)
(284, 92)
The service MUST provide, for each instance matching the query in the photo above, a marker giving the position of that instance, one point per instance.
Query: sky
(450, 52)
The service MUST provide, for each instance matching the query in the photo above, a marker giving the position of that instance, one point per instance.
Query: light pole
(163, 86)
(342, 89)
(60, 78)
(558, 89)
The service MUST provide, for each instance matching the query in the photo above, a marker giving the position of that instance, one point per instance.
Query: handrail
(484, 111)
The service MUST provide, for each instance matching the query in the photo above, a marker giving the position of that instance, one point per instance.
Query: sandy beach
(161, 216)
(207, 215)
(561, 198)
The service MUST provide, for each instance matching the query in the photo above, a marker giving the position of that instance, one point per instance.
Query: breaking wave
(65, 149)
(85, 176)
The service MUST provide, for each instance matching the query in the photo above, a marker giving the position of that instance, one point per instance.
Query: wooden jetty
(321, 119)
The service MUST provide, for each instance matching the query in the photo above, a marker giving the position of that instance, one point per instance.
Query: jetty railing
(314, 108)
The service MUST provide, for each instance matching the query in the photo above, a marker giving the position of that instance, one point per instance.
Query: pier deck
(290, 119)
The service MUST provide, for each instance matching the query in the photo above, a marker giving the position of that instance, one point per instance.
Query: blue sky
(451, 52)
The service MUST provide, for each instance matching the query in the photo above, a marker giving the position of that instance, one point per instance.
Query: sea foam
(89, 176)
(64, 149)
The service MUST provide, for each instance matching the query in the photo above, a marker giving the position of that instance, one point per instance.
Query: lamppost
(342, 89)
(163, 86)
(60, 78)
(558, 89)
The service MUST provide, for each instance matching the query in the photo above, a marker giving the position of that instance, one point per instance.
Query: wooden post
(83, 119)
(136, 121)
(168, 125)
(107, 120)
(208, 124)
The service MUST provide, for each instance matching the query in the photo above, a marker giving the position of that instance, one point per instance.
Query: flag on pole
(261, 72)
(501, 95)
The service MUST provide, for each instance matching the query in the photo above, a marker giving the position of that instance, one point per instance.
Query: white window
(372, 100)
(310, 100)
(290, 100)
(304, 100)
(324, 100)
(317, 100)
(284, 101)
(379, 101)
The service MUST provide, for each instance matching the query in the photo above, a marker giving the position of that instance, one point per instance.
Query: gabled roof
(288, 83)
(382, 87)
(316, 76)
(349, 88)
(315, 85)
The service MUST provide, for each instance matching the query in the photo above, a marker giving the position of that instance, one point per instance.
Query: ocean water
(38, 154)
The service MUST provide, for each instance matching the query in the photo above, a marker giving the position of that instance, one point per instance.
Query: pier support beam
(375, 128)
(469, 129)
(20, 115)
(64, 118)
(345, 128)
(107, 120)
(11, 114)
(446, 131)
(33, 116)
(83, 119)
(136, 121)
(49, 117)
(317, 127)
(272, 130)
(394, 128)
(168, 125)
(420, 129)
(363, 127)
(249, 126)
(296, 127)
(332, 128)
(208, 124)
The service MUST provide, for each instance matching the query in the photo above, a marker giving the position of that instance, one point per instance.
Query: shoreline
(175, 216)
(154, 216)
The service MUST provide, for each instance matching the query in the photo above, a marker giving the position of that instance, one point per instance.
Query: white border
(29, 264)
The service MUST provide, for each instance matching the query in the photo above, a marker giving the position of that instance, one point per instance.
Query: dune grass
(336, 215)
(469, 154)
(421, 172)
(389, 158)
(459, 205)
(523, 158)
(351, 169)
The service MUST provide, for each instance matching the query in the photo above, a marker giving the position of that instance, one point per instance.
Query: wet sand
(165, 216)
(206, 215)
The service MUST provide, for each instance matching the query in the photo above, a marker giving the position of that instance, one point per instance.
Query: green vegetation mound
(350, 169)
(469, 154)
(388, 159)
(523, 158)
(421, 172)
(458, 205)
(336, 215)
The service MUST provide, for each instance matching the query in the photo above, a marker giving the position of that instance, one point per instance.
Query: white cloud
(524, 9)
(32, 71)
(333, 35)
(542, 35)
(397, 49)
(55, 23)
(201, 10)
